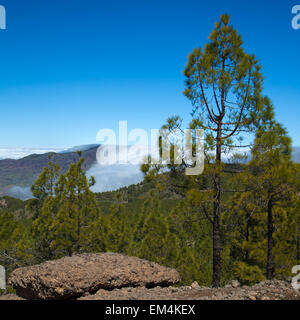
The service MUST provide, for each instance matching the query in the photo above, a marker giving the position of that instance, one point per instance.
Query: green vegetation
(178, 235)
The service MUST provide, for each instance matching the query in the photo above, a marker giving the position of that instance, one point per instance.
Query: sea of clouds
(108, 176)
(112, 175)
(22, 193)
(18, 153)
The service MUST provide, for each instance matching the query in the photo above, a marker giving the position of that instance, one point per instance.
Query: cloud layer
(18, 153)
(108, 177)
(116, 176)
(22, 193)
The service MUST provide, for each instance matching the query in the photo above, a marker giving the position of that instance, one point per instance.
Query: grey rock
(195, 285)
(235, 284)
(71, 277)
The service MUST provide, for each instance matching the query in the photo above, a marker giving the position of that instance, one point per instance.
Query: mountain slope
(23, 172)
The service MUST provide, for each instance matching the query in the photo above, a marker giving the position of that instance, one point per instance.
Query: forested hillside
(157, 223)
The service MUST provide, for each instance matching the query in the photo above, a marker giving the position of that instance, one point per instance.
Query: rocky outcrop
(267, 290)
(72, 277)
(111, 276)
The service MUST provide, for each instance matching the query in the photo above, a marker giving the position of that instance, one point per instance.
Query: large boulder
(71, 277)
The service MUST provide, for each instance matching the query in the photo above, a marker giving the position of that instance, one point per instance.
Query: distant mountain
(21, 152)
(17, 175)
(81, 148)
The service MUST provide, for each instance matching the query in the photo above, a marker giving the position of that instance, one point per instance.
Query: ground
(267, 290)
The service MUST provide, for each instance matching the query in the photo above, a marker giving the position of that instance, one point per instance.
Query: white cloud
(18, 153)
(110, 174)
(113, 177)
(22, 193)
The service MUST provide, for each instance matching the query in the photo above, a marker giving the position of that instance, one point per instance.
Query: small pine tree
(68, 212)
(269, 194)
(152, 239)
(117, 232)
(44, 186)
(76, 207)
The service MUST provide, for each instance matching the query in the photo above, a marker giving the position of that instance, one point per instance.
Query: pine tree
(68, 214)
(97, 230)
(43, 190)
(137, 235)
(117, 232)
(74, 207)
(15, 242)
(152, 239)
(194, 239)
(158, 244)
(265, 206)
(44, 186)
(273, 171)
(224, 84)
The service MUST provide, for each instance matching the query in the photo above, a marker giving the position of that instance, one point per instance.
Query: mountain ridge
(16, 175)
(22, 172)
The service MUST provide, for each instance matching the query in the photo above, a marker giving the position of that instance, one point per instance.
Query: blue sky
(70, 68)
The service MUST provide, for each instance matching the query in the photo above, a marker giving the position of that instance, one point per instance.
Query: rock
(72, 277)
(235, 284)
(256, 292)
(3, 203)
(195, 285)
(219, 296)
(138, 293)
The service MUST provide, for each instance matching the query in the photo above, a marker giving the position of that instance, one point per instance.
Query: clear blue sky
(71, 67)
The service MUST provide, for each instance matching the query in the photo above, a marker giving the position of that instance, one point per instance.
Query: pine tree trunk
(216, 247)
(216, 222)
(70, 252)
(270, 241)
(298, 243)
(247, 238)
(78, 234)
